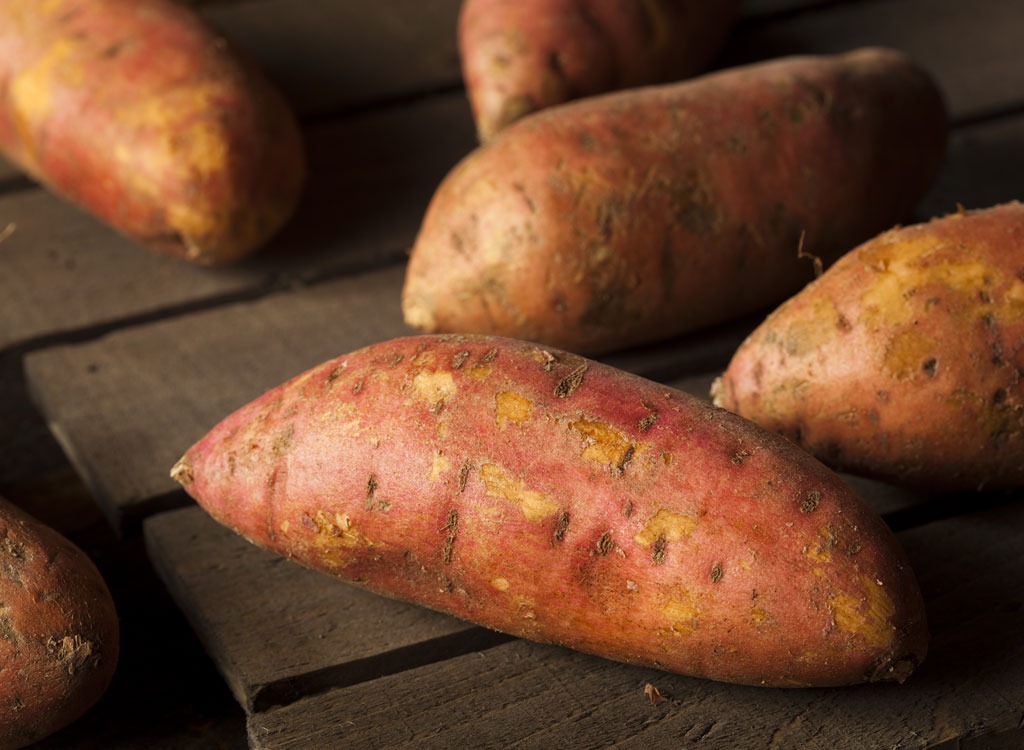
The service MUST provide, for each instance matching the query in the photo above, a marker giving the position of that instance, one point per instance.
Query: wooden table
(113, 360)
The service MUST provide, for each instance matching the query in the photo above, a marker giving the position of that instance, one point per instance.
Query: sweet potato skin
(137, 112)
(554, 498)
(646, 214)
(58, 630)
(904, 360)
(521, 56)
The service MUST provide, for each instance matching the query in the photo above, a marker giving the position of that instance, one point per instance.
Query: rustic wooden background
(113, 360)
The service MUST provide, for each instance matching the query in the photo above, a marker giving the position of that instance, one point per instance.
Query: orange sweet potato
(548, 496)
(640, 215)
(139, 113)
(58, 630)
(520, 56)
(904, 360)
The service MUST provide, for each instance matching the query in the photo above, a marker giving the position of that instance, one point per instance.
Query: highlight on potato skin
(59, 631)
(637, 216)
(521, 56)
(545, 495)
(904, 360)
(139, 113)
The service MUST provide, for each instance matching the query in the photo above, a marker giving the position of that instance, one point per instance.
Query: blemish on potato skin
(716, 572)
(658, 550)
(451, 529)
(739, 456)
(810, 502)
(336, 373)
(605, 544)
(571, 382)
(647, 421)
(463, 477)
(561, 527)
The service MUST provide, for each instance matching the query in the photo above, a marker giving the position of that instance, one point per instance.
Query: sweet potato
(520, 56)
(551, 497)
(645, 214)
(139, 113)
(904, 360)
(58, 630)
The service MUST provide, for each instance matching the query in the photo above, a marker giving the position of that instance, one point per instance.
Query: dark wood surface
(113, 360)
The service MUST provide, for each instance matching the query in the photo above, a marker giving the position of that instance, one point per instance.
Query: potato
(520, 56)
(645, 214)
(137, 112)
(554, 498)
(58, 630)
(904, 360)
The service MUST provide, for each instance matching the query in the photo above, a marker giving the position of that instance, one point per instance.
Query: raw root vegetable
(904, 360)
(520, 56)
(557, 499)
(139, 113)
(58, 630)
(641, 215)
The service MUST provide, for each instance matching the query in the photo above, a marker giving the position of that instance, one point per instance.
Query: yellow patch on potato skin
(902, 266)
(603, 444)
(667, 525)
(683, 613)
(757, 615)
(535, 506)
(822, 550)
(334, 536)
(511, 408)
(435, 388)
(908, 355)
(438, 466)
(30, 92)
(807, 336)
(867, 616)
(501, 584)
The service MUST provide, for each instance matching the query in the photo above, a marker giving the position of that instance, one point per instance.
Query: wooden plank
(523, 695)
(278, 631)
(59, 269)
(371, 178)
(972, 49)
(983, 167)
(336, 55)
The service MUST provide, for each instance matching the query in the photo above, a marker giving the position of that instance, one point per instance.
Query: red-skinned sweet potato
(138, 112)
(645, 214)
(520, 56)
(904, 360)
(58, 630)
(549, 496)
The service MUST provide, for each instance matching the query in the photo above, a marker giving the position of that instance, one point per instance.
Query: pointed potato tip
(181, 472)
(717, 392)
